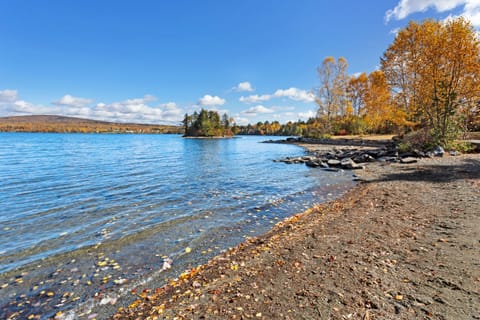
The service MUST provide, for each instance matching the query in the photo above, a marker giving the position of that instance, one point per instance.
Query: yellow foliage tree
(433, 69)
(356, 90)
(379, 113)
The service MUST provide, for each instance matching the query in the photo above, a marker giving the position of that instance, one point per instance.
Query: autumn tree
(378, 111)
(433, 69)
(274, 128)
(331, 96)
(356, 90)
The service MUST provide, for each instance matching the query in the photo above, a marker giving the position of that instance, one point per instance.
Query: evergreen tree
(207, 124)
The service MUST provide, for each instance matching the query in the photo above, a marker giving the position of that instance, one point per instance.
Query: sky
(152, 61)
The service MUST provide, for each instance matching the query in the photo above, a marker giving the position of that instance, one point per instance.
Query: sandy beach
(403, 244)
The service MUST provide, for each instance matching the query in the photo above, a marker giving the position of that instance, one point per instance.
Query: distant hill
(53, 123)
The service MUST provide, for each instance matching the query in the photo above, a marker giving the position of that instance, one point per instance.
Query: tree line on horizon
(59, 124)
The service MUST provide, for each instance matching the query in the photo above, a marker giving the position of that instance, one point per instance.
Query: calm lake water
(87, 217)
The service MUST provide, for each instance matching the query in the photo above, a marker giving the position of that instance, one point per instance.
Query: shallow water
(87, 217)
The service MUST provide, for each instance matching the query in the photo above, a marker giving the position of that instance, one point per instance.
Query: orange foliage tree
(379, 113)
(433, 69)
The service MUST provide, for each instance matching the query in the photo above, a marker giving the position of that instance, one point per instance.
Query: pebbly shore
(403, 244)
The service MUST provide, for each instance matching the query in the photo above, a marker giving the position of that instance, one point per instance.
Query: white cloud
(471, 8)
(71, 101)
(295, 94)
(22, 107)
(394, 32)
(169, 105)
(244, 86)
(130, 110)
(285, 117)
(283, 108)
(208, 101)
(129, 106)
(255, 98)
(406, 7)
(307, 115)
(146, 98)
(8, 95)
(240, 120)
(471, 11)
(253, 111)
(138, 110)
(12, 105)
(290, 93)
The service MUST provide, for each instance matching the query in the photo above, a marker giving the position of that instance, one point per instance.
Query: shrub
(419, 139)
(404, 147)
(461, 146)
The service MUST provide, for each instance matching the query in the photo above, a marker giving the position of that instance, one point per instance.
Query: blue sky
(152, 61)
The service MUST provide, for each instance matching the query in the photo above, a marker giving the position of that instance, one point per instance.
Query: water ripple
(63, 195)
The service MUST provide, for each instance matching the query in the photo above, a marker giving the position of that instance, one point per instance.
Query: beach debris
(167, 264)
(102, 263)
(120, 281)
(108, 300)
(188, 250)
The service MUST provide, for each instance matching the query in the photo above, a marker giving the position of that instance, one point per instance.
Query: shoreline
(97, 279)
(212, 137)
(348, 257)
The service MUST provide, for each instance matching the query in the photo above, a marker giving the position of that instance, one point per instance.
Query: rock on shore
(355, 155)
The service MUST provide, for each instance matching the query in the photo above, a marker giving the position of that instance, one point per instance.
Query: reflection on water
(89, 216)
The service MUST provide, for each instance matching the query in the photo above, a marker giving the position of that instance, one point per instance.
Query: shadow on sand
(435, 173)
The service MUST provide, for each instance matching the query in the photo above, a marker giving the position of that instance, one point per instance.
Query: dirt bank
(404, 244)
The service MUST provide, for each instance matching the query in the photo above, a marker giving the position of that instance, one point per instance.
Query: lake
(85, 218)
